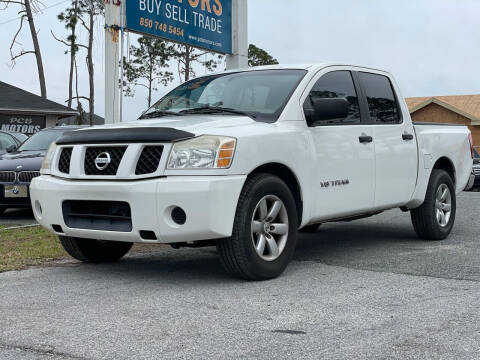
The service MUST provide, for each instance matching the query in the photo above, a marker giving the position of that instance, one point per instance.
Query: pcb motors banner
(201, 23)
(26, 124)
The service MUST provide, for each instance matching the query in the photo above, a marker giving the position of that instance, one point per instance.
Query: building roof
(16, 100)
(465, 105)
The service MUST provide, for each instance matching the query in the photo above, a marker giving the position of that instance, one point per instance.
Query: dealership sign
(25, 124)
(201, 23)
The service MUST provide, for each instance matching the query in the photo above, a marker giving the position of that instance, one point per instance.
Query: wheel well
(445, 164)
(287, 175)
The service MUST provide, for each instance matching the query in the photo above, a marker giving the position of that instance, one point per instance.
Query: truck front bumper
(209, 203)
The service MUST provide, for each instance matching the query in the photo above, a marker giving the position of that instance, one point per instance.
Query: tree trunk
(150, 90)
(187, 62)
(36, 47)
(90, 65)
(72, 57)
(76, 81)
(79, 105)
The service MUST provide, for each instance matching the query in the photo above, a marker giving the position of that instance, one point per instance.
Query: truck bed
(437, 141)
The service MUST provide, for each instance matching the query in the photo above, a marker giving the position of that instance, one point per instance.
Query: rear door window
(382, 103)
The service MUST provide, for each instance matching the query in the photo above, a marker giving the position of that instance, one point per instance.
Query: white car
(246, 158)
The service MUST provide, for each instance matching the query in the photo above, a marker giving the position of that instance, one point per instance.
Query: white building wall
(52, 120)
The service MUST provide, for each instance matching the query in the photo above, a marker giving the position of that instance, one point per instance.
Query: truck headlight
(203, 152)
(48, 159)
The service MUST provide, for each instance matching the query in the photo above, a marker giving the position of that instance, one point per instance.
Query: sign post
(219, 26)
(112, 51)
(239, 57)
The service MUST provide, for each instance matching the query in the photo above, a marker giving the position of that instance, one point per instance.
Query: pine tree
(148, 67)
(70, 17)
(187, 57)
(259, 57)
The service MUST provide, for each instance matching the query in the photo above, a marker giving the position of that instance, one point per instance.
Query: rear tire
(264, 232)
(95, 251)
(435, 218)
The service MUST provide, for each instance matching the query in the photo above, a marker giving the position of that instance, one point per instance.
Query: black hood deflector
(123, 135)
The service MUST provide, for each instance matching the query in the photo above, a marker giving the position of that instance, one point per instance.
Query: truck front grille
(64, 161)
(114, 152)
(110, 161)
(149, 160)
(97, 215)
(27, 176)
(7, 176)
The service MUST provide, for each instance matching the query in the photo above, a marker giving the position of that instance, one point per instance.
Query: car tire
(264, 231)
(435, 218)
(95, 251)
(310, 229)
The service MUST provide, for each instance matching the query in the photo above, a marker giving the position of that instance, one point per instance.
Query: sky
(431, 46)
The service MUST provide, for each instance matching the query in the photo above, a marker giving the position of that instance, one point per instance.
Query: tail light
(471, 144)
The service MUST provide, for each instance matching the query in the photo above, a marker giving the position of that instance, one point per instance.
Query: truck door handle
(365, 139)
(407, 137)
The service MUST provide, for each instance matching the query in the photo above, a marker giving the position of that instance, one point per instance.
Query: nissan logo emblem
(102, 161)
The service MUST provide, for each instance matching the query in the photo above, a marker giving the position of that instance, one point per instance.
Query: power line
(48, 7)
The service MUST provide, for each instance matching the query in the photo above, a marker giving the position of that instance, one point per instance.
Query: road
(366, 290)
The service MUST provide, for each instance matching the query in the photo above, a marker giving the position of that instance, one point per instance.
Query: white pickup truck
(243, 159)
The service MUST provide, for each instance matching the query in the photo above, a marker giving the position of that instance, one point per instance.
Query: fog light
(178, 216)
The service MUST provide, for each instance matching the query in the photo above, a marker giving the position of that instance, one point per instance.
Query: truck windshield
(262, 95)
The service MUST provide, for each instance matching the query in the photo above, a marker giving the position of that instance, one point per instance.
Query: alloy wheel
(269, 228)
(443, 205)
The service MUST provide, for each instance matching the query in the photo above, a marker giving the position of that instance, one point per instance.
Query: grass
(34, 246)
(20, 248)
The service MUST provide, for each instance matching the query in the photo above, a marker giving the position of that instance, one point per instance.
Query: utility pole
(239, 58)
(113, 23)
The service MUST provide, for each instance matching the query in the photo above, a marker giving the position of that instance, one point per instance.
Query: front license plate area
(16, 191)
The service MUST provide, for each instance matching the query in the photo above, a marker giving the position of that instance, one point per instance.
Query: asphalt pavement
(367, 289)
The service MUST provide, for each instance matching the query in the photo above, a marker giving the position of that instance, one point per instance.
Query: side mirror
(327, 109)
(11, 148)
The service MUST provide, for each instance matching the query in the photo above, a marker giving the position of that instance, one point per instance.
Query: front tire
(435, 218)
(95, 251)
(264, 232)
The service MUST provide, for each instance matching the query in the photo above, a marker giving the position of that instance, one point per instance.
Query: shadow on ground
(17, 217)
(375, 244)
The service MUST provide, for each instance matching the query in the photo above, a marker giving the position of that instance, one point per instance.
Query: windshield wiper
(216, 110)
(159, 113)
